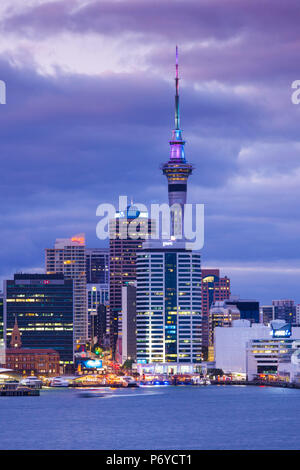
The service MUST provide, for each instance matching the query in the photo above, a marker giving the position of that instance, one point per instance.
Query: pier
(13, 389)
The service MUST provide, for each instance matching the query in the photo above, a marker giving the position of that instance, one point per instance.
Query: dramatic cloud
(89, 113)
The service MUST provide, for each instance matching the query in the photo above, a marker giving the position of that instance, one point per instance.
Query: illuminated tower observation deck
(177, 170)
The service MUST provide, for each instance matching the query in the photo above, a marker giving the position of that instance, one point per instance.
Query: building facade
(97, 265)
(214, 289)
(43, 307)
(285, 310)
(220, 315)
(297, 314)
(69, 258)
(266, 314)
(249, 350)
(249, 309)
(123, 252)
(168, 307)
(128, 349)
(97, 294)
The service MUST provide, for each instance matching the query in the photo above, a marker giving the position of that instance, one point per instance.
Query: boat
(12, 388)
(59, 382)
(94, 393)
(131, 382)
(155, 380)
(32, 382)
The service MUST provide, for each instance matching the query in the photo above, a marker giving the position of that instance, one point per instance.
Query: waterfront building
(43, 305)
(249, 349)
(289, 364)
(128, 347)
(214, 288)
(97, 265)
(123, 252)
(97, 294)
(30, 361)
(285, 310)
(68, 257)
(221, 315)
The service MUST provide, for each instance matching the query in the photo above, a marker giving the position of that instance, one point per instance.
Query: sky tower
(177, 170)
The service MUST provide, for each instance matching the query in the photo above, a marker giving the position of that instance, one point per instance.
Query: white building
(168, 307)
(289, 366)
(249, 350)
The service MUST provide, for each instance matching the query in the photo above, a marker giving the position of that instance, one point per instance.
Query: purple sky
(89, 113)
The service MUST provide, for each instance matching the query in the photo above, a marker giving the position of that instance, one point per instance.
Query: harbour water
(185, 417)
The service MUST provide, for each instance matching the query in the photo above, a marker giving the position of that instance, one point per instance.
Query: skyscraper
(123, 251)
(129, 322)
(97, 265)
(169, 307)
(42, 304)
(169, 281)
(97, 294)
(68, 257)
(214, 288)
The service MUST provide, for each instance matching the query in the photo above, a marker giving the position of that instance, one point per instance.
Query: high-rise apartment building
(69, 257)
(123, 251)
(97, 294)
(214, 289)
(128, 350)
(169, 306)
(97, 265)
(42, 305)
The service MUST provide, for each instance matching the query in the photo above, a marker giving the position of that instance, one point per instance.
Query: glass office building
(168, 306)
(43, 306)
(97, 265)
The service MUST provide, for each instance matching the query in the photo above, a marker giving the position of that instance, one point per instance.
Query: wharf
(20, 393)
(257, 383)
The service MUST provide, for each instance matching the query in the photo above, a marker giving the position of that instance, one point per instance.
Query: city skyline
(76, 147)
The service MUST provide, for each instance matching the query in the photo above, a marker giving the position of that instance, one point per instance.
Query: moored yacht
(130, 381)
(32, 382)
(59, 382)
